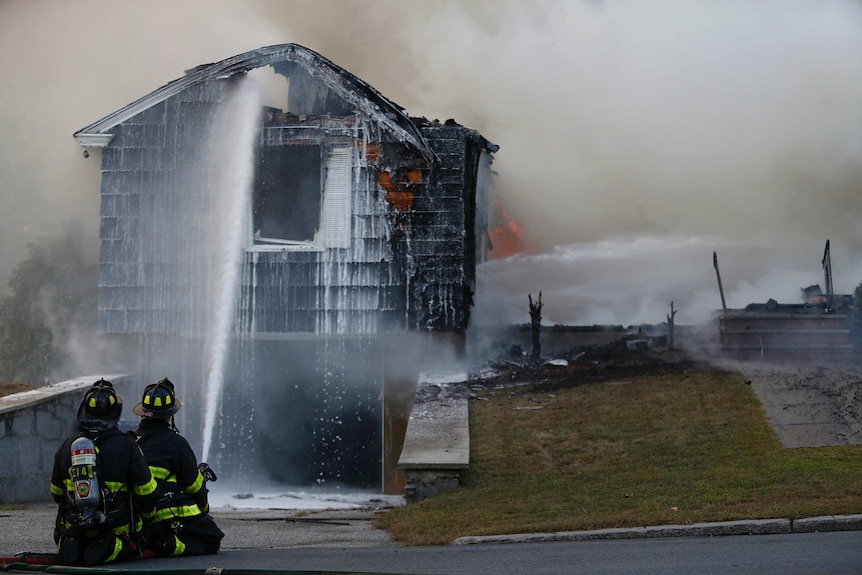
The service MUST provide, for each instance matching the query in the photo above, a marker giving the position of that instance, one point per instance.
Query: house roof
(349, 87)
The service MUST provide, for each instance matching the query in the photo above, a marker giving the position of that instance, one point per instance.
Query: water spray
(233, 192)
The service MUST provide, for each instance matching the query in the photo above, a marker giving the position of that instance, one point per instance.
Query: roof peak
(349, 87)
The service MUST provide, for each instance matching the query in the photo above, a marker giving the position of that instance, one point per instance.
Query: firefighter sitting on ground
(181, 524)
(102, 485)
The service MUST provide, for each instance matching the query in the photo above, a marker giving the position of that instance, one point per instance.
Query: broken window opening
(286, 202)
(299, 202)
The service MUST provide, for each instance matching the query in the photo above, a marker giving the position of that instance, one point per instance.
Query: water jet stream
(234, 150)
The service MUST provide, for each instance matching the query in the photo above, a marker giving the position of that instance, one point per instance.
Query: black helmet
(101, 408)
(159, 401)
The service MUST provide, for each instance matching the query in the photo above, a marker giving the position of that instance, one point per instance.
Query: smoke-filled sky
(636, 137)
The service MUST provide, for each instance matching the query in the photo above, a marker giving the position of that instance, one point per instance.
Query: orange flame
(507, 237)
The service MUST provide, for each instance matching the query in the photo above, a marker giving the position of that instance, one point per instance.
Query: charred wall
(443, 229)
(408, 262)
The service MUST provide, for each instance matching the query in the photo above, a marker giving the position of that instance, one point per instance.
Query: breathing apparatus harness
(98, 414)
(87, 504)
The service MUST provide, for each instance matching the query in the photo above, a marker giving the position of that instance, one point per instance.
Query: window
(286, 202)
(295, 202)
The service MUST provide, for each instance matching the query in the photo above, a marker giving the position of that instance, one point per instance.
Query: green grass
(678, 448)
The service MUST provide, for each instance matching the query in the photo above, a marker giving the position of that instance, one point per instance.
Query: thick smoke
(636, 137)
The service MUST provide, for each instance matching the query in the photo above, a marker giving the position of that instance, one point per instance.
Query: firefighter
(181, 524)
(104, 488)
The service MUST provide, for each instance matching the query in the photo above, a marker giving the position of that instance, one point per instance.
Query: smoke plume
(636, 137)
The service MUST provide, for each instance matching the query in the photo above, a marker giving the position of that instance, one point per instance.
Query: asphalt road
(346, 542)
(827, 553)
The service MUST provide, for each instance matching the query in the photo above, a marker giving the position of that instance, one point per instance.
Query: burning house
(287, 263)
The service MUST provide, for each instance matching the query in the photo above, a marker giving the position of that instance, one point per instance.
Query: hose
(47, 563)
(102, 570)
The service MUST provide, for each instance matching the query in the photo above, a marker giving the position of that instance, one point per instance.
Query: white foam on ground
(443, 377)
(299, 499)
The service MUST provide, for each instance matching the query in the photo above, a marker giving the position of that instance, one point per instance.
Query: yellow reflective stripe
(179, 547)
(196, 486)
(160, 473)
(118, 531)
(113, 486)
(118, 546)
(116, 486)
(146, 488)
(119, 487)
(182, 511)
(57, 490)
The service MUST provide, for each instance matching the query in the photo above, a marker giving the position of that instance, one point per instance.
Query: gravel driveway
(809, 406)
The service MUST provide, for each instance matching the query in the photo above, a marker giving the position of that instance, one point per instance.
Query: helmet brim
(142, 411)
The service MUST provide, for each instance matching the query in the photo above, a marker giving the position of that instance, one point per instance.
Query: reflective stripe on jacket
(174, 466)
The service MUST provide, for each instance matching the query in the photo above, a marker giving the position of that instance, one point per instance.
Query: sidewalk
(30, 528)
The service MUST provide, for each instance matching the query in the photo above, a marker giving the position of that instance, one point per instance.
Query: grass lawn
(684, 446)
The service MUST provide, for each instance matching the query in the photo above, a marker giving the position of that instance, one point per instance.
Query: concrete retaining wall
(437, 443)
(33, 425)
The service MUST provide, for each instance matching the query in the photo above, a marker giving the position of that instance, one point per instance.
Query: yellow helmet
(159, 400)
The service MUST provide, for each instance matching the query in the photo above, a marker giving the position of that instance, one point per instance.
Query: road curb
(714, 529)
(828, 523)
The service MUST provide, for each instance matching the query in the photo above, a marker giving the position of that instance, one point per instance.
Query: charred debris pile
(582, 354)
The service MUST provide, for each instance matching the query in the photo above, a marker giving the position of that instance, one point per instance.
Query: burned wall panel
(408, 228)
(437, 242)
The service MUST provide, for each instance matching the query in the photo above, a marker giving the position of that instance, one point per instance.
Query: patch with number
(81, 472)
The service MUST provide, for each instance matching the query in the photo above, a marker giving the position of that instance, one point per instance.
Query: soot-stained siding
(441, 290)
(410, 265)
(407, 257)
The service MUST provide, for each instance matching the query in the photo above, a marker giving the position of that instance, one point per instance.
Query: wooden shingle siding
(388, 267)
